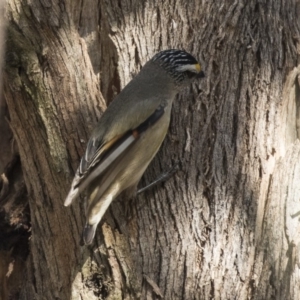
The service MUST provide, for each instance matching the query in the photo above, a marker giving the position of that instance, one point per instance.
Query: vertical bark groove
(225, 226)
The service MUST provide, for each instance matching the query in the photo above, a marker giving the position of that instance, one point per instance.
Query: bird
(129, 134)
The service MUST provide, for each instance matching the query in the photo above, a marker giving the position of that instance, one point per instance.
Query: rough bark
(226, 225)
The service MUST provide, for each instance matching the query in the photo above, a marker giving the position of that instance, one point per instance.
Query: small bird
(129, 134)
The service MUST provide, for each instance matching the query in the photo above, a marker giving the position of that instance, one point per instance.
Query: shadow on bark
(206, 233)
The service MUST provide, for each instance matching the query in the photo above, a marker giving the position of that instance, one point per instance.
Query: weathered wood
(226, 225)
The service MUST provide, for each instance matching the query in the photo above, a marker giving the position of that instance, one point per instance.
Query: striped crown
(176, 62)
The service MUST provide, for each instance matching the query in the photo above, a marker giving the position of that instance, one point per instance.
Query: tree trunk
(226, 226)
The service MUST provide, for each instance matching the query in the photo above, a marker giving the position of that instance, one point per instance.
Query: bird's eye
(190, 74)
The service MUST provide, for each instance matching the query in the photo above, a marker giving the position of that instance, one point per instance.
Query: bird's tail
(95, 213)
(88, 234)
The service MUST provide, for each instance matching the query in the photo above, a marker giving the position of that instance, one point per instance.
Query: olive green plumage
(129, 134)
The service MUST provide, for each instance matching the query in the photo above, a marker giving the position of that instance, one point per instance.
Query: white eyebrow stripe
(191, 68)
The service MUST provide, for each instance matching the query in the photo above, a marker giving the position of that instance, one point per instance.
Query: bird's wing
(100, 155)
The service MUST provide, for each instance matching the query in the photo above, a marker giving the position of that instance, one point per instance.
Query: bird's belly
(141, 153)
(127, 170)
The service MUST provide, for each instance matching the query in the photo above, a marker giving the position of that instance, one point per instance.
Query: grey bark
(226, 225)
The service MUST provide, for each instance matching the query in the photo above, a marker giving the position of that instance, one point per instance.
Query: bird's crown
(178, 63)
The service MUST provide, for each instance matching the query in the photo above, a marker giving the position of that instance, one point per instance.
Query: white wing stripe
(106, 163)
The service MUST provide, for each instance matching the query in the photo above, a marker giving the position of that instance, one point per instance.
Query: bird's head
(180, 65)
